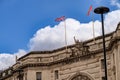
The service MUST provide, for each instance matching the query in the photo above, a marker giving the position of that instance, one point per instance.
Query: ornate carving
(80, 49)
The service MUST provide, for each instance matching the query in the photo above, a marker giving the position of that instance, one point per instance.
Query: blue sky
(20, 19)
(26, 25)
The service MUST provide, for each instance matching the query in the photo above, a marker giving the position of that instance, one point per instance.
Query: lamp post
(102, 10)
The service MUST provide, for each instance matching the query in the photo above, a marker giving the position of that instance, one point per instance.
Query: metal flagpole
(65, 35)
(91, 10)
(62, 18)
(93, 27)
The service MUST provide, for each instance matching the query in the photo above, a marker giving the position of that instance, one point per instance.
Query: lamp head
(101, 10)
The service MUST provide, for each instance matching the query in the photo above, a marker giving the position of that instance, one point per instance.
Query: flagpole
(65, 35)
(93, 27)
(90, 9)
(63, 19)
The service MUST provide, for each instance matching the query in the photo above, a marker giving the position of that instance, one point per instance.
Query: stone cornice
(62, 61)
(75, 58)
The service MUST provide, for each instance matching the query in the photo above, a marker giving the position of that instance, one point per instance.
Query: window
(38, 76)
(80, 77)
(56, 74)
(38, 59)
(102, 64)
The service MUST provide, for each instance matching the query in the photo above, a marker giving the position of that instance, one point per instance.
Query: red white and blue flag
(62, 18)
(90, 9)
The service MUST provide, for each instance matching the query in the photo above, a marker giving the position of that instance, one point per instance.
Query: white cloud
(111, 20)
(7, 59)
(115, 3)
(50, 38)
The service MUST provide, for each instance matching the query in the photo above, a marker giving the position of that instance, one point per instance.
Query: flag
(90, 9)
(60, 18)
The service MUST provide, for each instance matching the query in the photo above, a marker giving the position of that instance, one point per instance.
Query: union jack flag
(62, 18)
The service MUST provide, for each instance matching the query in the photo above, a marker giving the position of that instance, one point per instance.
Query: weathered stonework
(81, 61)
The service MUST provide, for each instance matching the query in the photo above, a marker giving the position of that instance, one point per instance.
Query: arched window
(81, 76)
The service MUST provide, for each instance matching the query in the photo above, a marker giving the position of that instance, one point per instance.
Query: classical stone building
(81, 61)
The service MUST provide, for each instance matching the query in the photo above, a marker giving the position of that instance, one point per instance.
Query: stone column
(118, 61)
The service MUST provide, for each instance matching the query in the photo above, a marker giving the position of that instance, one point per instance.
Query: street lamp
(102, 10)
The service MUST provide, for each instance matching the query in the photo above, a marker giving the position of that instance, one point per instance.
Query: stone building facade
(81, 61)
